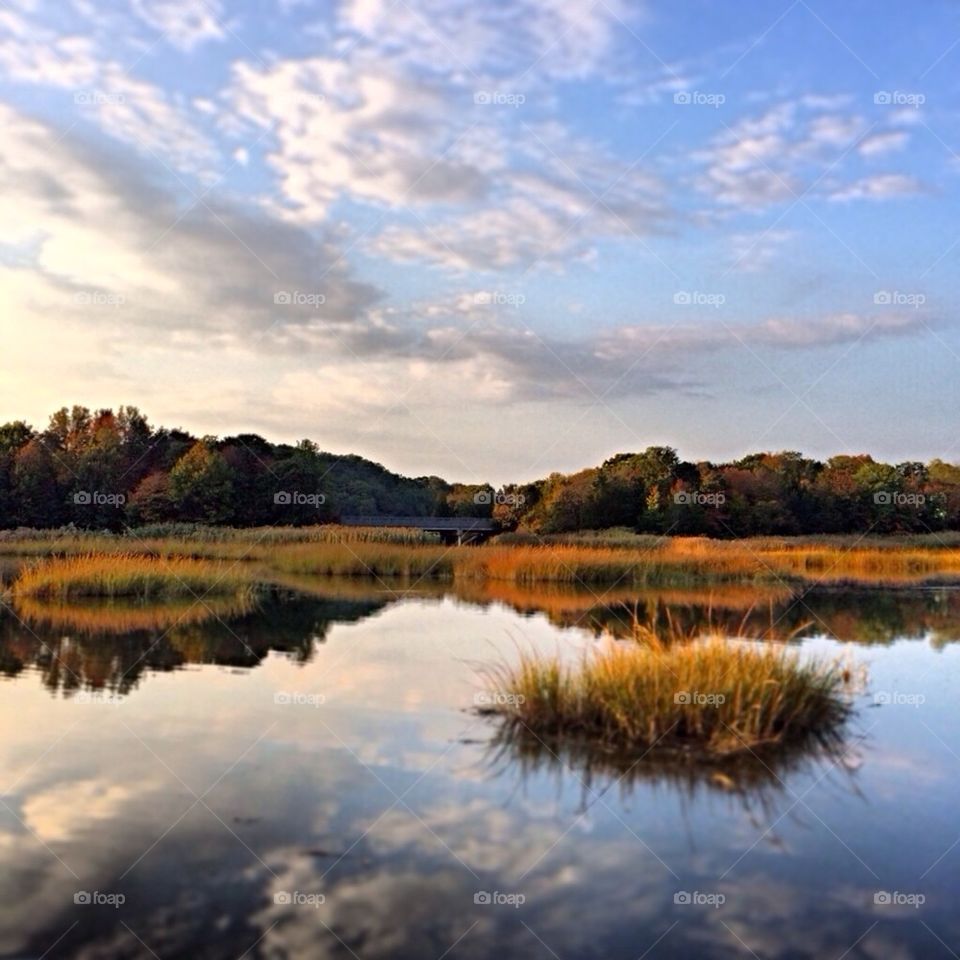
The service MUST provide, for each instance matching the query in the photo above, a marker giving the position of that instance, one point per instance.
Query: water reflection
(113, 645)
(862, 616)
(208, 803)
(109, 646)
(752, 776)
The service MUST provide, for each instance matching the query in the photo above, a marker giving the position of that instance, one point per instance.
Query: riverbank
(386, 555)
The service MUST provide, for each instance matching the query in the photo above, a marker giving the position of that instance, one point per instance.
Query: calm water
(310, 780)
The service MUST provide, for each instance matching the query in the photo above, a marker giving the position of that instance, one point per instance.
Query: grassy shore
(123, 575)
(708, 699)
(676, 562)
(649, 562)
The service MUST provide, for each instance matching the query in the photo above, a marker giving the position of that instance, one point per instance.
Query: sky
(487, 241)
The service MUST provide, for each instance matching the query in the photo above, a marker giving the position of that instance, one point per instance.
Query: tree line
(762, 494)
(111, 469)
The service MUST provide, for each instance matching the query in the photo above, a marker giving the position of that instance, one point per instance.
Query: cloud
(131, 275)
(147, 118)
(882, 143)
(527, 39)
(185, 24)
(787, 153)
(490, 188)
(495, 358)
(359, 129)
(111, 248)
(104, 92)
(752, 164)
(554, 206)
(756, 251)
(780, 333)
(31, 53)
(883, 186)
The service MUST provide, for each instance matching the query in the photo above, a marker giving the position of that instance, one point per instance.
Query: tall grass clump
(124, 575)
(712, 698)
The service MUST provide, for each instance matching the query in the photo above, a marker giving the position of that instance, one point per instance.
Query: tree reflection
(111, 645)
(83, 646)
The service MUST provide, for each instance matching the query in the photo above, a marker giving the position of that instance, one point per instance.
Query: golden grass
(708, 699)
(664, 562)
(198, 540)
(98, 616)
(689, 560)
(125, 575)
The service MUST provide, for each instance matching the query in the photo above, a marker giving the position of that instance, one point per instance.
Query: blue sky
(487, 241)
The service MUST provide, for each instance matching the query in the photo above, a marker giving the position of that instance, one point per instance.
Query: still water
(311, 779)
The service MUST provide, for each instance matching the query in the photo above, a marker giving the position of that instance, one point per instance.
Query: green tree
(201, 485)
(37, 493)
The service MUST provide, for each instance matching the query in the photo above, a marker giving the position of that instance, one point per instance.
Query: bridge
(458, 530)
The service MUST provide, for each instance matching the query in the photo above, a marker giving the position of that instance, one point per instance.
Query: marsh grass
(97, 616)
(185, 537)
(710, 698)
(694, 561)
(131, 575)
(653, 562)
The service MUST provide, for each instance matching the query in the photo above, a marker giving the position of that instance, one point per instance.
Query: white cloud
(528, 39)
(359, 129)
(31, 53)
(492, 189)
(147, 118)
(753, 252)
(789, 151)
(883, 143)
(185, 24)
(98, 229)
(883, 186)
(104, 92)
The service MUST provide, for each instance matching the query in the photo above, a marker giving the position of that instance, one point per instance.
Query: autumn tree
(201, 485)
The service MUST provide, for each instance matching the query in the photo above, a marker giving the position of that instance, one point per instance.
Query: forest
(112, 470)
